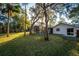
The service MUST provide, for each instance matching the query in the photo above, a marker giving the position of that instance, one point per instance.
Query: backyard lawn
(35, 45)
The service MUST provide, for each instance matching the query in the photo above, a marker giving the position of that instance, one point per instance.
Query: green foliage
(17, 8)
(74, 14)
(18, 18)
(18, 23)
(22, 21)
(12, 7)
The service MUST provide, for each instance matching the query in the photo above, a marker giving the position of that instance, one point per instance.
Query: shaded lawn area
(34, 45)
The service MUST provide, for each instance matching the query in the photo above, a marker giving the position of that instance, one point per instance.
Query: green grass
(35, 45)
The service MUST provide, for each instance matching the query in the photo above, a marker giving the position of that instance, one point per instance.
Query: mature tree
(46, 8)
(25, 4)
(41, 10)
(46, 21)
(9, 9)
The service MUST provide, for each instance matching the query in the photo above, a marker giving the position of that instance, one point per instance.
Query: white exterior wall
(63, 30)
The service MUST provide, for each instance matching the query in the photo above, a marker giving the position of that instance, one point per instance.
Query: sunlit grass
(12, 36)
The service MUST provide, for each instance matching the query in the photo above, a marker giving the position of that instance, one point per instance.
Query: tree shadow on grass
(34, 45)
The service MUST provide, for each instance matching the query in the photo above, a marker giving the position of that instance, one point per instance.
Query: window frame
(57, 29)
(70, 31)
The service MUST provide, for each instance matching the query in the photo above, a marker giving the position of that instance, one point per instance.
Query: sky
(28, 6)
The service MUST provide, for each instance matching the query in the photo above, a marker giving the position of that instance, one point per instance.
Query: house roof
(73, 25)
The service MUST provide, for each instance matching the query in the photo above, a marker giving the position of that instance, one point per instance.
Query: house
(65, 29)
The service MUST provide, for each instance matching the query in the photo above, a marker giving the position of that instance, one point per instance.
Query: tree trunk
(25, 22)
(31, 29)
(33, 25)
(46, 23)
(8, 23)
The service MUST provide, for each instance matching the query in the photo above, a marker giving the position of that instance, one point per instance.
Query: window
(70, 31)
(57, 29)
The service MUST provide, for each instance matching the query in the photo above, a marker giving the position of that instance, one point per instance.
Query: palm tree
(9, 14)
(9, 9)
